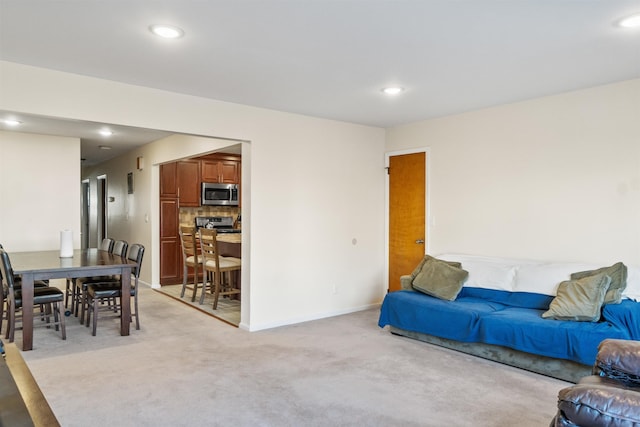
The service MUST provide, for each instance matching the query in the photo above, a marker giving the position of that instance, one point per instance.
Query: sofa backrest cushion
(544, 278)
(532, 276)
(632, 291)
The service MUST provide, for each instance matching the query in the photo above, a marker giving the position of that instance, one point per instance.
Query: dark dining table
(45, 265)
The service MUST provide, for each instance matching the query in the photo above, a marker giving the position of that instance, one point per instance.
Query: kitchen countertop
(230, 237)
(225, 237)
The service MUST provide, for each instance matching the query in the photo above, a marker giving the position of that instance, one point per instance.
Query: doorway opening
(101, 216)
(182, 204)
(85, 200)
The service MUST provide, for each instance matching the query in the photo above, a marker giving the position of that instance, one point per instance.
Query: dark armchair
(611, 396)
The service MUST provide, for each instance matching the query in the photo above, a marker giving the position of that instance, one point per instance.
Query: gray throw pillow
(579, 299)
(440, 279)
(618, 274)
(426, 258)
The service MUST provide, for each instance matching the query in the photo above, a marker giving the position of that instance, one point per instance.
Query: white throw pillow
(544, 278)
(632, 290)
(490, 275)
(486, 272)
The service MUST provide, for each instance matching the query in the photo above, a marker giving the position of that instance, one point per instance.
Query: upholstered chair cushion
(195, 259)
(224, 262)
(618, 359)
(598, 401)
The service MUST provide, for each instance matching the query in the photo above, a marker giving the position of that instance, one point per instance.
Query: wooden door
(407, 234)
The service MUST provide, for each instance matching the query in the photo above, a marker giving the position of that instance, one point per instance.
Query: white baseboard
(309, 318)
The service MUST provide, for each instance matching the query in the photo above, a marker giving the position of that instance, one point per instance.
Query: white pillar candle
(66, 244)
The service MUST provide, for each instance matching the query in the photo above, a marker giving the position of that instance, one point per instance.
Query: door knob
(420, 241)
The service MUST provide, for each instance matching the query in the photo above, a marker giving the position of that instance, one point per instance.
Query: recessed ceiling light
(106, 132)
(166, 31)
(12, 122)
(104, 147)
(392, 90)
(632, 21)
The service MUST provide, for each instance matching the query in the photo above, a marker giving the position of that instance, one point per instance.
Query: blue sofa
(504, 322)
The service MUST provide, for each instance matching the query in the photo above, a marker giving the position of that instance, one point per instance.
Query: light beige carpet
(228, 309)
(185, 368)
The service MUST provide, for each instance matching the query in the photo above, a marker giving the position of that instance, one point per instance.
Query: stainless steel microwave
(219, 194)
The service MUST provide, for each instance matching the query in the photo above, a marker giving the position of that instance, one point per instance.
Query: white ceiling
(124, 138)
(330, 58)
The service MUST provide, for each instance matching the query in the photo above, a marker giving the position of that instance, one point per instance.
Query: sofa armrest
(405, 282)
(619, 360)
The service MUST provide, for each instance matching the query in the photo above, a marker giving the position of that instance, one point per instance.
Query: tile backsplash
(188, 215)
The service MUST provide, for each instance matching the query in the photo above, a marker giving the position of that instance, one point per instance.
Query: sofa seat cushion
(513, 299)
(624, 316)
(525, 330)
(417, 312)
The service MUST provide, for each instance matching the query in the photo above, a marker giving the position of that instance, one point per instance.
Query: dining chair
(50, 297)
(110, 291)
(119, 247)
(71, 289)
(190, 258)
(17, 284)
(220, 271)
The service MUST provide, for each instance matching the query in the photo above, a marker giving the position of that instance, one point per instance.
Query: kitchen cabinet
(170, 246)
(168, 182)
(181, 180)
(221, 170)
(188, 182)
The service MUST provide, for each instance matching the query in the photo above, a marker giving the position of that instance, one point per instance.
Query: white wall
(39, 191)
(555, 178)
(301, 244)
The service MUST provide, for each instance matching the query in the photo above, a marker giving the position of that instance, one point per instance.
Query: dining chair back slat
(107, 244)
(49, 297)
(17, 285)
(79, 285)
(119, 247)
(97, 292)
(220, 271)
(190, 258)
